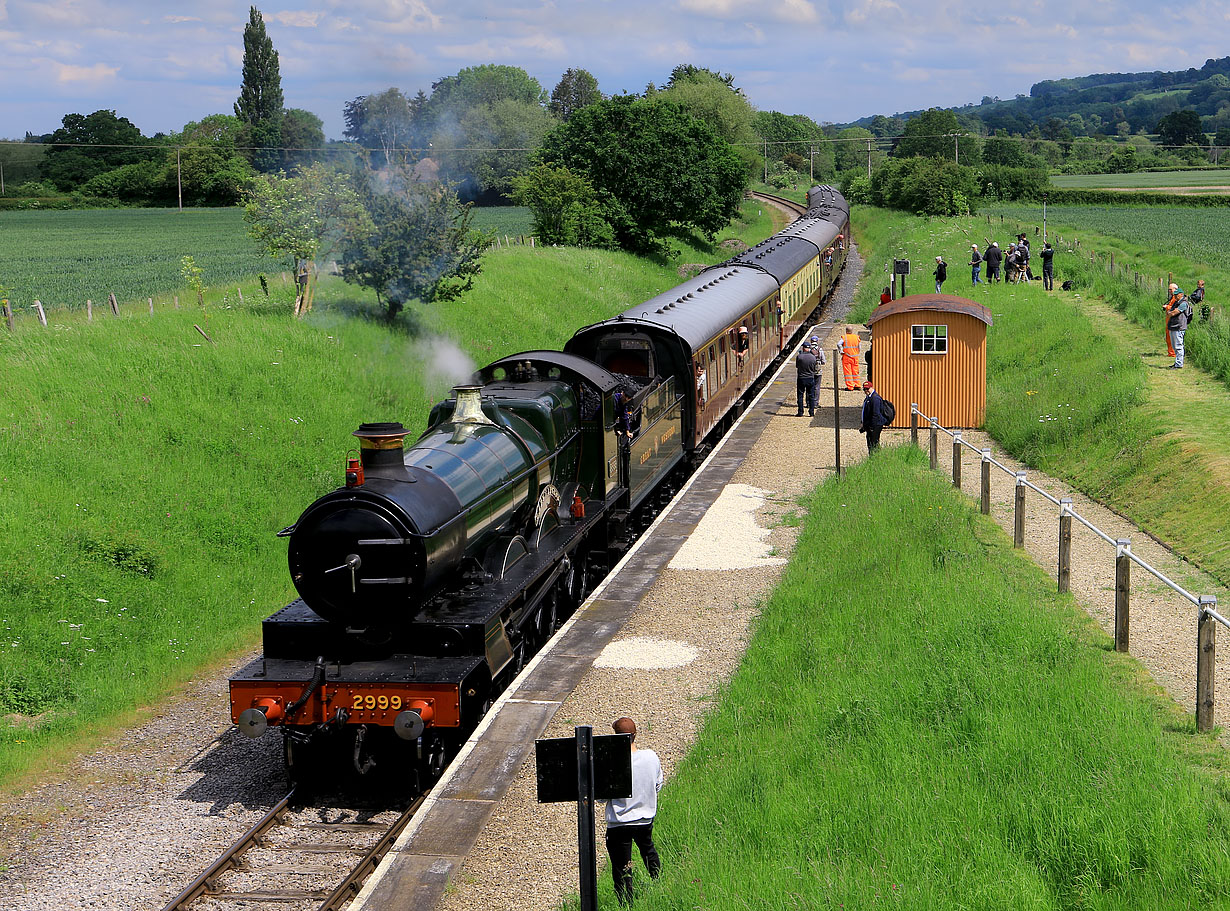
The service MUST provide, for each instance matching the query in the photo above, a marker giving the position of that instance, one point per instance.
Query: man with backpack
(1197, 299)
(877, 414)
(1178, 314)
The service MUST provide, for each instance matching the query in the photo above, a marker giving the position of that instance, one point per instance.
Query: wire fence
(1206, 605)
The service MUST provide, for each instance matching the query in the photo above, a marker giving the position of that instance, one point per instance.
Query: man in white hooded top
(630, 819)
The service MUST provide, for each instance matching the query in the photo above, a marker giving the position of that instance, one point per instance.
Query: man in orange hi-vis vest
(849, 358)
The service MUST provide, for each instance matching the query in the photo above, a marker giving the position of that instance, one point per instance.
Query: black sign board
(557, 768)
(901, 267)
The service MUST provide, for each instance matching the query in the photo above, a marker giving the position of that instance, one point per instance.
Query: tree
(713, 98)
(385, 121)
(304, 217)
(566, 207)
(1180, 128)
(852, 152)
(417, 242)
(489, 144)
(259, 105)
(658, 168)
(302, 134)
(929, 135)
(576, 89)
(89, 145)
(210, 168)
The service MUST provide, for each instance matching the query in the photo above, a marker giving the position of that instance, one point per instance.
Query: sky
(163, 64)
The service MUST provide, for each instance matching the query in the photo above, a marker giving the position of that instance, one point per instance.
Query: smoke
(444, 365)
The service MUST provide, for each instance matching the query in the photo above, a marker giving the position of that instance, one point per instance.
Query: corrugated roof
(947, 302)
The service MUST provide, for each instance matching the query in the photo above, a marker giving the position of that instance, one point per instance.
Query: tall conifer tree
(260, 97)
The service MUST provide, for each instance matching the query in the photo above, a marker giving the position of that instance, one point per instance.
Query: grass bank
(147, 469)
(969, 740)
(1079, 393)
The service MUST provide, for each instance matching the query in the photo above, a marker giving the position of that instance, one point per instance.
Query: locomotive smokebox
(382, 449)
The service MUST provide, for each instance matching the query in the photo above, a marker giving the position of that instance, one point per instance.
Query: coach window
(928, 340)
(723, 362)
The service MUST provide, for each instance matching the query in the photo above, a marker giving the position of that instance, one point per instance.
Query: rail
(206, 885)
(1207, 614)
(797, 208)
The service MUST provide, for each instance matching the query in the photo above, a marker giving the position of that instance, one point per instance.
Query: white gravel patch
(646, 654)
(728, 535)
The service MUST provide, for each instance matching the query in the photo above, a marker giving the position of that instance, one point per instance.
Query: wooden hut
(932, 349)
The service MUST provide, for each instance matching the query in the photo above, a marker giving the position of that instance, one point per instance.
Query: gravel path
(144, 813)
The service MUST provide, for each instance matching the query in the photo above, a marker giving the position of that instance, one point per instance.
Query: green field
(1141, 180)
(63, 258)
(1192, 235)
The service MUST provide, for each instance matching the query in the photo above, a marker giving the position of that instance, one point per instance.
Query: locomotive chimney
(381, 449)
(469, 407)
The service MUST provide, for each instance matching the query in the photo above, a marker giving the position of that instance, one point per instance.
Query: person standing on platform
(849, 358)
(805, 386)
(872, 421)
(630, 819)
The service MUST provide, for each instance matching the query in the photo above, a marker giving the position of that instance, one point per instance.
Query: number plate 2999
(373, 702)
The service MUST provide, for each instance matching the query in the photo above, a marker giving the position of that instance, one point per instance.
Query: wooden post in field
(1064, 575)
(283, 279)
(89, 311)
(115, 305)
(8, 315)
(986, 482)
(151, 305)
(1018, 523)
(1123, 593)
(176, 301)
(42, 317)
(914, 423)
(1206, 663)
(956, 460)
(836, 415)
(239, 291)
(935, 444)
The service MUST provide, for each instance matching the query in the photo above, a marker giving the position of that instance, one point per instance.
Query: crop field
(1144, 180)
(511, 220)
(1196, 234)
(134, 253)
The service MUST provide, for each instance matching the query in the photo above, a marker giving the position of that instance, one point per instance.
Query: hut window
(928, 340)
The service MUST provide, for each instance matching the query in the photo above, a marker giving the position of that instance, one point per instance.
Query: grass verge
(968, 740)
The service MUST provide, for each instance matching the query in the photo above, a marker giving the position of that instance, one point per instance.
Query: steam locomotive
(429, 578)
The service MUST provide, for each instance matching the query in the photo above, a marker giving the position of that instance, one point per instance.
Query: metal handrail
(1158, 574)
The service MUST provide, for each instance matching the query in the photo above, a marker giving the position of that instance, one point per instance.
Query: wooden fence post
(151, 305)
(935, 444)
(239, 290)
(8, 315)
(1123, 593)
(836, 414)
(42, 317)
(89, 311)
(176, 301)
(1018, 524)
(913, 423)
(115, 305)
(956, 460)
(1206, 663)
(1064, 575)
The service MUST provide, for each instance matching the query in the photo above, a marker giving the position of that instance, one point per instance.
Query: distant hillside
(1102, 104)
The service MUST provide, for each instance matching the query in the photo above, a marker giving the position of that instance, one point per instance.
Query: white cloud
(297, 18)
(69, 72)
(796, 11)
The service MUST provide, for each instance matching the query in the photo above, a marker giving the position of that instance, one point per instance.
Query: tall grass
(147, 470)
(921, 722)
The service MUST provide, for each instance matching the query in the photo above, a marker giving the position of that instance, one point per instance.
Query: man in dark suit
(873, 416)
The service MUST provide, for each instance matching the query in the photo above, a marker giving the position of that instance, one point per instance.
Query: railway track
(298, 856)
(796, 208)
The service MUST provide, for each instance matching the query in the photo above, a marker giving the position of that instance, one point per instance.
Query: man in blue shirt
(630, 819)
